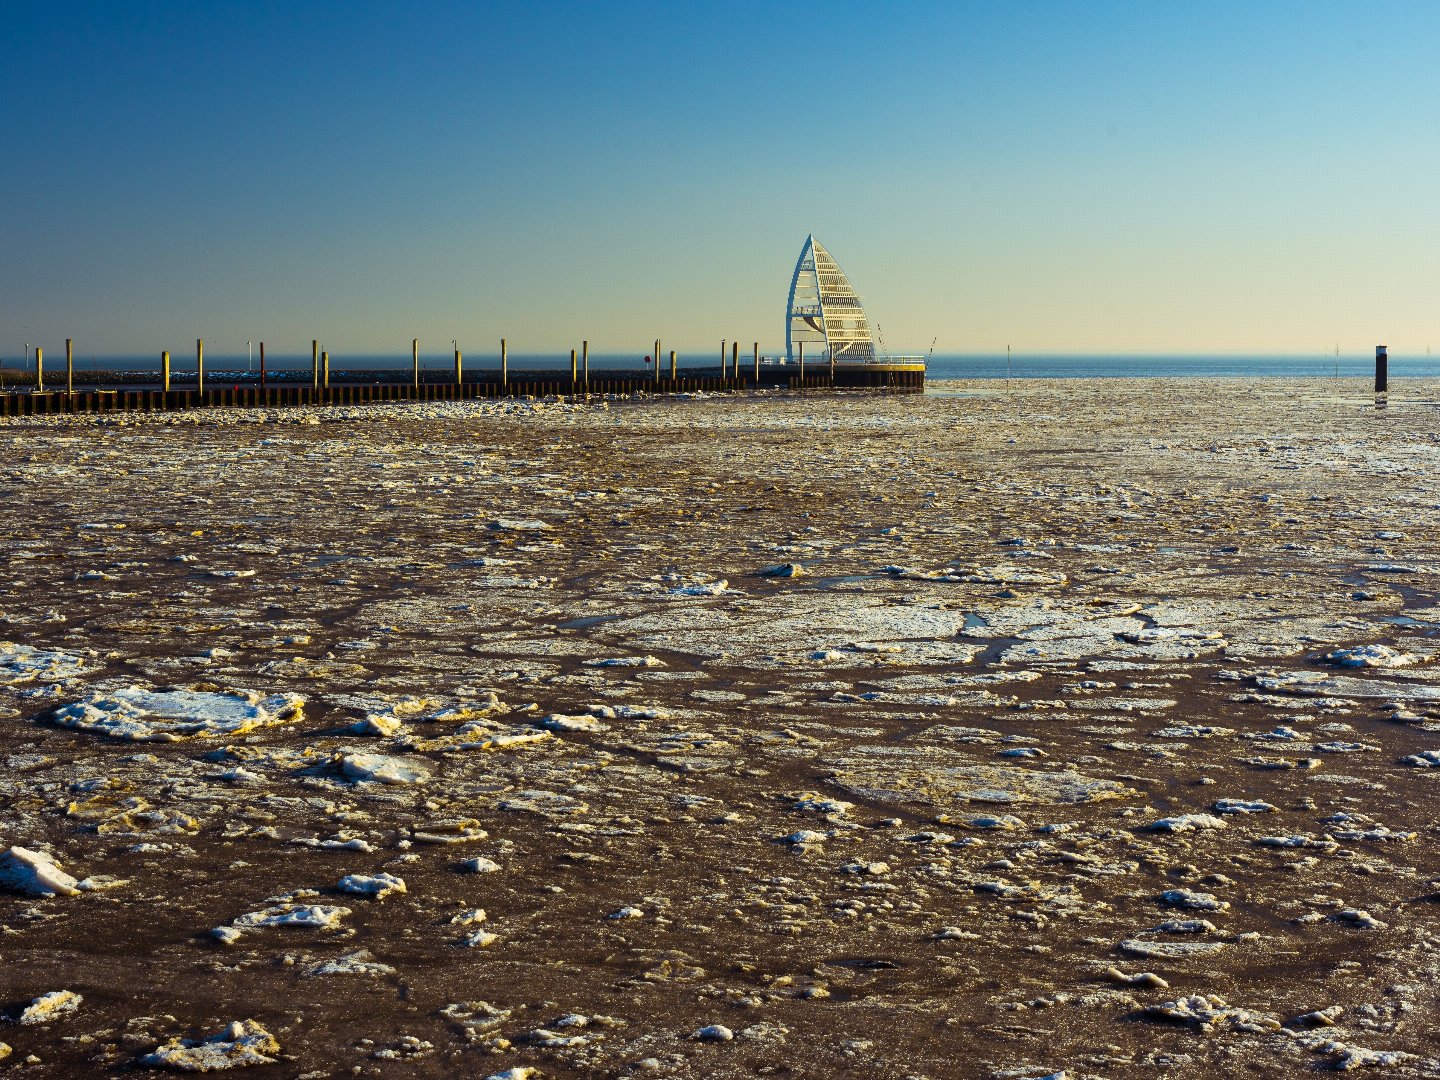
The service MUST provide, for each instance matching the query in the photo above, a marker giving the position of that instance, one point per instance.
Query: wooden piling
(735, 359)
(415, 361)
(757, 361)
(585, 362)
(200, 365)
(574, 371)
(657, 359)
(165, 371)
(802, 365)
(325, 368)
(672, 365)
(504, 365)
(1382, 375)
(39, 368)
(723, 343)
(69, 366)
(459, 370)
(262, 365)
(314, 363)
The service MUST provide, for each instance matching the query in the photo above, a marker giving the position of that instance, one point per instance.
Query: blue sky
(1056, 176)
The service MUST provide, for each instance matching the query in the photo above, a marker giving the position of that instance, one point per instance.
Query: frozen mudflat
(1083, 728)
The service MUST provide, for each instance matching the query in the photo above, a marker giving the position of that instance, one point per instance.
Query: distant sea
(1149, 367)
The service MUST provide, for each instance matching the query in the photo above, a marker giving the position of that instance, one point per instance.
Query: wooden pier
(277, 393)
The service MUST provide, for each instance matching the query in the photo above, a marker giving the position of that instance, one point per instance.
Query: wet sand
(1071, 725)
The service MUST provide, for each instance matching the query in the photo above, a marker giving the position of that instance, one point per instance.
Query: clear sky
(1098, 177)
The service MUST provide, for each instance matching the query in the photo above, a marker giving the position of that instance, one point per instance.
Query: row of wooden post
(320, 364)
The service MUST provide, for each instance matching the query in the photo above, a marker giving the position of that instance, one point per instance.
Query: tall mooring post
(200, 364)
(574, 371)
(657, 359)
(69, 366)
(165, 371)
(1382, 376)
(757, 361)
(672, 365)
(415, 361)
(504, 365)
(723, 343)
(314, 363)
(39, 368)
(585, 364)
(459, 368)
(262, 365)
(735, 358)
(325, 368)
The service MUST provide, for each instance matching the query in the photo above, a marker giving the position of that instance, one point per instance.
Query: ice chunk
(22, 664)
(379, 886)
(141, 715)
(378, 768)
(51, 1006)
(1381, 656)
(242, 1043)
(1186, 823)
(1192, 901)
(359, 962)
(35, 874)
(1242, 806)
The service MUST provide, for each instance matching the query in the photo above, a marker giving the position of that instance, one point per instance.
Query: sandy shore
(1067, 725)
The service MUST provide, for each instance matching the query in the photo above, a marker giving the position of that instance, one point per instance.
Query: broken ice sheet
(937, 775)
(24, 664)
(137, 714)
(241, 1043)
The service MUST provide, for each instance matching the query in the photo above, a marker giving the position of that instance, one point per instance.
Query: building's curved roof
(824, 312)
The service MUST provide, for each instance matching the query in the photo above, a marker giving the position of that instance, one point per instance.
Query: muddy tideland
(1065, 728)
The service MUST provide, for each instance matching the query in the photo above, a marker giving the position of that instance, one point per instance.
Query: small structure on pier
(825, 324)
(824, 311)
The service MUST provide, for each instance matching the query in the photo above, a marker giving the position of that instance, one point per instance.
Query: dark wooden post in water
(262, 365)
(757, 361)
(735, 358)
(574, 372)
(415, 361)
(314, 363)
(39, 368)
(585, 362)
(802, 365)
(459, 369)
(325, 369)
(165, 371)
(200, 365)
(723, 343)
(672, 365)
(504, 365)
(1382, 376)
(69, 366)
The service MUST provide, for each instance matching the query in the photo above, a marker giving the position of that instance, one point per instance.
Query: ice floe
(242, 1043)
(137, 714)
(25, 664)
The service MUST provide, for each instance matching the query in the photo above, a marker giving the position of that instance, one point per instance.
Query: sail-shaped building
(824, 312)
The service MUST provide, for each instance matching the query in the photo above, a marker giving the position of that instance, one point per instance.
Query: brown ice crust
(1087, 727)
